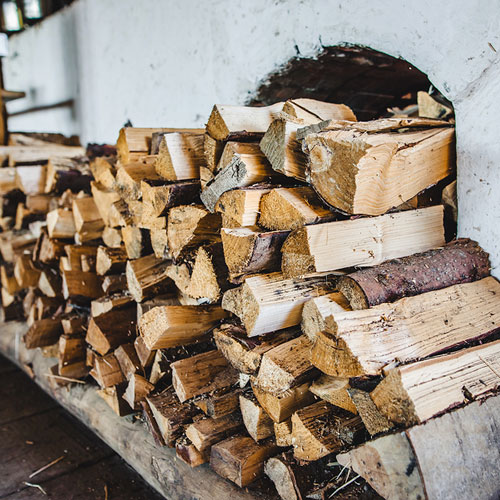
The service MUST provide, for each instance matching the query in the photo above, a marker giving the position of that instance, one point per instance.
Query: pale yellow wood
(240, 206)
(362, 242)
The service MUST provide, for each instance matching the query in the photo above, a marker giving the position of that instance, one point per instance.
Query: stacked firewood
(269, 292)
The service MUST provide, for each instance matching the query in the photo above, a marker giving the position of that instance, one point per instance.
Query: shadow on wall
(368, 81)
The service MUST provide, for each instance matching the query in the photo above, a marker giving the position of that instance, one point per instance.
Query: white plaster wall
(160, 62)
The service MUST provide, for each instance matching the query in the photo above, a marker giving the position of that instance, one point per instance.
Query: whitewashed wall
(160, 62)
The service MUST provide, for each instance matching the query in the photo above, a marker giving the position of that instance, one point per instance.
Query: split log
(114, 283)
(159, 243)
(60, 224)
(363, 342)
(48, 250)
(209, 276)
(43, 332)
(333, 390)
(171, 326)
(162, 198)
(257, 422)
(414, 393)
(316, 311)
(213, 151)
(243, 170)
(208, 431)
(362, 242)
(240, 207)
(104, 199)
(245, 353)
(267, 303)
(8, 279)
(292, 208)
(428, 107)
(137, 242)
(107, 331)
(72, 355)
(220, 403)
(180, 156)
(40, 203)
(120, 214)
(285, 366)
(373, 419)
(129, 177)
(137, 390)
(189, 454)
(240, 459)
(81, 286)
(321, 429)
(128, 360)
(106, 371)
(113, 396)
(75, 254)
(110, 260)
(50, 283)
(144, 354)
(103, 169)
(147, 276)
(189, 226)
(112, 237)
(360, 173)
(201, 374)
(67, 173)
(240, 122)
(281, 407)
(30, 178)
(460, 261)
(171, 416)
(283, 433)
(88, 221)
(249, 251)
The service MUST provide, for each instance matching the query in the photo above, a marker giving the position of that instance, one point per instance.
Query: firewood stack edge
(274, 294)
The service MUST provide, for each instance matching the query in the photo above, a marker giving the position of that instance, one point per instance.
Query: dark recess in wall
(366, 80)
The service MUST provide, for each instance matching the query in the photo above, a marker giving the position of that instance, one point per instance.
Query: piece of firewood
(269, 302)
(409, 329)
(295, 480)
(106, 371)
(129, 177)
(209, 275)
(40, 203)
(75, 253)
(373, 419)
(240, 122)
(374, 172)
(219, 403)
(240, 459)
(159, 243)
(316, 311)
(72, 354)
(170, 326)
(60, 224)
(171, 416)
(460, 261)
(144, 354)
(137, 390)
(147, 276)
(31, 178)
(321, 429)
(134, 143)
(120, 214)
(412, 394)
(109, 303)
(103, 169)
(428, 107)
(280, 407)
(283, 433)
(333, 390)
(87, 217)
(285, 366)
(292, 208)
(109, 330)
(213, 151)
(8, 279)
(362, 242)
(189, 226)
(114, 398)
(50, 283)
(189, 454)
(104, 199)
(137, 242)
(257, 422)
(243, 170)
(128, 360)
(110, 260)
(112, 237)
(67, 173)
(114, 283)
(207, 431)
(167, 299)
(43, 332)
(162, 198)
(240, 207)
(202, 374)
(249, 251)
(81, 285)
(245, 353)
(180, 156)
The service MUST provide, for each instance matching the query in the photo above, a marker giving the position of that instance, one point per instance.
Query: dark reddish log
(460, 261)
